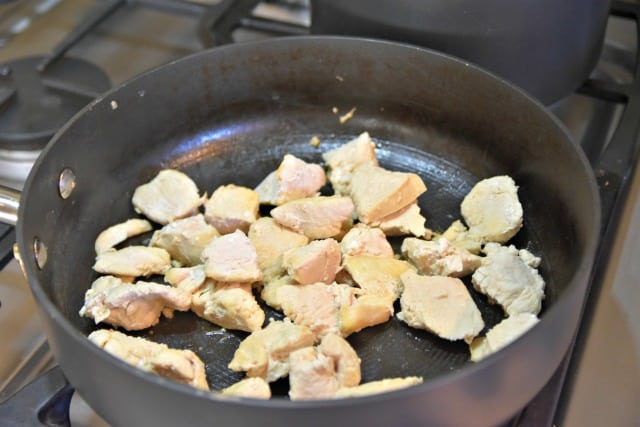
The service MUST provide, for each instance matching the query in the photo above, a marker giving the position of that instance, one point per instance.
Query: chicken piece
(441, 305)
(364, 240)
(189, 279)
(254, 388)
(316, 217)
(458, 235)
(375, 387)
(231, 258)
(492, 209)
(230, 305)
(364, 311)
(407, 221)
(132, 306)
(343, 160)
(183, 366)
(133, 261)
(345, 359)
(169, 196)
(312, 375)
(294, 179)
(439, 258)
(271, 240)
(232, 208)
(509, 277)
(501, 334)
(319, 261)
(378, 193)
(378, 276)
(269, 292)
(265, 353)
(185, 239)
(118, 233)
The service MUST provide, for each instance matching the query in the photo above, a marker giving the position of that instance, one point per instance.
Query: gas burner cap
(35, 104)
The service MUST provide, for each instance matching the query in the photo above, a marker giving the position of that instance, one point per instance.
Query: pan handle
(9, 202)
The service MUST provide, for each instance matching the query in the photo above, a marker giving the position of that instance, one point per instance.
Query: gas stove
(57, 55)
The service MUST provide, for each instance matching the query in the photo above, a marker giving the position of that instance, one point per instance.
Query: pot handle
(9, 202)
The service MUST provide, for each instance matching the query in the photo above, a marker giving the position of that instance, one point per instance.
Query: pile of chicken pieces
(324, 261)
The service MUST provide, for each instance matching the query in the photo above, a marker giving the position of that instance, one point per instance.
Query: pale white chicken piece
(254, 388)
(265, 353)
(501, 335)
(170, 195)
(231, 258)
(380, 386)
(378, 193)
(441, 305)
(319, 372)
(232, 208)
(458, 235)
(183, 366)
(492, 209)
(271, 240)
(509, 277)
(365, 240)
(316, 217)
(189, 279)
(185, 239)
(378, 275)
(294, 179)
(342, 160)
(439, 258)
(132, 306)
(319, 261)
(118, 233)
(133, 261)
(407, 221)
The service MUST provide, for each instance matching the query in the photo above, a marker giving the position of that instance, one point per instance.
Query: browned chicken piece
(407, 221)
(378, 275)
(132, 306)
(441, 305)
(232, 208)
(458, 235)
(188, 279)
(376, 387)
(319, 372)
(169, 196)
(294, 179)
(133, 261)
(378, 193)
(118, 233)
(231, 258)
(364, 240)
(254, 388)
(265, 353)
(316, 217)
(230, 305)
(343, 160)
(271, 240)
(183, 366)
(185, 239)
(439, 258)
(319, 261)
(364, 311)
(269, 292)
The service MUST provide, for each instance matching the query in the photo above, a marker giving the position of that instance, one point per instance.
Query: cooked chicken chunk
(185, 239)
(375, 387)
(231, 258)
(265, 353)
(492, 209)
(439, 258)
(378, 275)
(378, 193)
(316, 217)
(169, 196)
(319, 372)
(364, 240)
(132, 306)
(254, 388)
(406, 221)
(501, 335)
(343, 160)
(232, 208)
(189, 279)
(319, 261)
(458, 235)
(509, 277)
(118, 233)
(294, 179)
(133, 261)
(271, 240)
(441, 305)
(183, 366)
(364, 311)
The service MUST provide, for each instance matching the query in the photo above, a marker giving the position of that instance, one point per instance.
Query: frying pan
(228, 115)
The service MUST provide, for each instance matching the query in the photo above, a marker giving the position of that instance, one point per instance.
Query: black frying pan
(228, 115)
